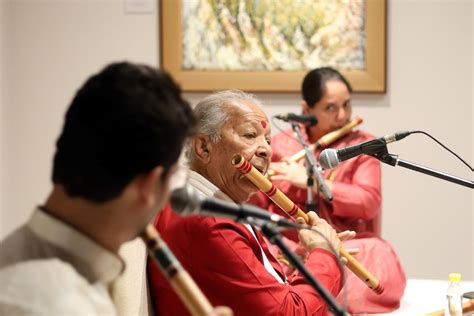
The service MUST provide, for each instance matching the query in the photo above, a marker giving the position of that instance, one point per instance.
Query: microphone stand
(384, 156)
(310, 205)
(312, 171)
(274, 236)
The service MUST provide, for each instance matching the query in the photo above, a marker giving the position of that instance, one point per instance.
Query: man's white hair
(212, 113)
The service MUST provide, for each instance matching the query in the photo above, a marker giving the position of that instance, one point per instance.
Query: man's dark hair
(314, 84)
(124, 121)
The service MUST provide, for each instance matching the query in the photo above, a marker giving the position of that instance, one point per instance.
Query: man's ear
(305, 107)
(202, 147)
(148, 183)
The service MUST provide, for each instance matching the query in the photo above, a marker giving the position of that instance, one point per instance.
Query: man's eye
(250, 135)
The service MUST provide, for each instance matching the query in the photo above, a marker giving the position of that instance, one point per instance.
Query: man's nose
(264, 150)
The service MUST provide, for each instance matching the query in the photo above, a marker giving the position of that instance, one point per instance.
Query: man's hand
(346, 235)
(311, 239)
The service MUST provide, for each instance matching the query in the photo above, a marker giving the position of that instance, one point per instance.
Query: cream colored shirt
(49, 268)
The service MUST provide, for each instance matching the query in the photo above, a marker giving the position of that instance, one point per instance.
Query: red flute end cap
(359, 119)
(379, 289)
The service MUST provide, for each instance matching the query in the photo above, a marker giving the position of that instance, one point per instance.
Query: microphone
(330, 157)
(306, 119)
(186, 201)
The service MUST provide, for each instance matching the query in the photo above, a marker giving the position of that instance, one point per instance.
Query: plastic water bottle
(454, 296)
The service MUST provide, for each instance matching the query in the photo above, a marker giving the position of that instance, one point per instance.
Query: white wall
(3, 32)
(472, 128)
(54, 45)
(431, 73)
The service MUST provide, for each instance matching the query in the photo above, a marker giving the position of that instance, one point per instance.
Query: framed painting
(269, 45)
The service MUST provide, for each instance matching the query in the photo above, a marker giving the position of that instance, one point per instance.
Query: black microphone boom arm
(394, 161)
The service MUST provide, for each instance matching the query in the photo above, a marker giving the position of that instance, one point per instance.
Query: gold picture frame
(372, 79)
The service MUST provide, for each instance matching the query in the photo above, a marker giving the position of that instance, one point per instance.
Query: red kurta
(356, 187)
(226, 262)
(356, 205)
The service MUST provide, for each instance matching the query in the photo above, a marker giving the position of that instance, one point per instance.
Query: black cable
(318, 200)
(273, 119)
(439, 143)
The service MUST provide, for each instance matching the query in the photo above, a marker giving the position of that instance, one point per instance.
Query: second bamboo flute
(280, 199)
(180, 280)
(328, 139)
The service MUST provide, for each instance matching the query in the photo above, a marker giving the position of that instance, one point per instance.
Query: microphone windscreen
(184, 201)
(328, 158)
(312, 121)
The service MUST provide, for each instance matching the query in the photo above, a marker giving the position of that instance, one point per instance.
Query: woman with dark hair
(355, 185)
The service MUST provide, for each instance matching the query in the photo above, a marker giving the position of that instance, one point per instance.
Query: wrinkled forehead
(246, 110)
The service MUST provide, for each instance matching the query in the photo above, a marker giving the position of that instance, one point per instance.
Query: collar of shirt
(106, 265)
(206, 187)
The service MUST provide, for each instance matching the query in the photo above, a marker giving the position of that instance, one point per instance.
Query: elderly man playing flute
(231, 261)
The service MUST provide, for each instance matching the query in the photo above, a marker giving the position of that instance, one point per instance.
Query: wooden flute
(323, 142)
(328, 139)
(180, 280)
(289, 207)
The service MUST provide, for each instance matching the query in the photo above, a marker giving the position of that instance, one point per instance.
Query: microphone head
(185, 201)
(306, 119)
(312, 120)
(329, 158)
